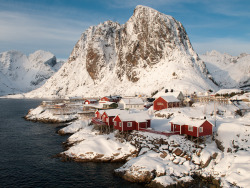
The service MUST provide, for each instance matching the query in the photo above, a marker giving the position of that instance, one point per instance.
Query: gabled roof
(170, 98)
(114, 112)
(132, 101)
(138, 117)
(91, 100)
(100, 111)
(183, 120)
(169, 93)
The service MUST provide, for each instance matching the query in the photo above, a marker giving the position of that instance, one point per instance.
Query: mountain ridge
(20, 73)
(227, 70)
(147, 53)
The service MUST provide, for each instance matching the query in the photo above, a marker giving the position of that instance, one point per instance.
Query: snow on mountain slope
(228, 71)
(149, 52)
(19, 73)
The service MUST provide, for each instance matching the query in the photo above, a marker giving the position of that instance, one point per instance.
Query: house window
(107, 120)
(159, 103)
(96, 115)
(190, 128)
(120, 124)
(129, 124)
(201, 129)
(115, 123)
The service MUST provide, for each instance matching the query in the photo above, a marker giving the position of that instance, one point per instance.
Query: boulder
(178, 151)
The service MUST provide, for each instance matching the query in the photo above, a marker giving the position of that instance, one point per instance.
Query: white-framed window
(201, 129)
(115, 123)
(120, 124)
(190, 128)
(96, 115)
(107, 119)
(129, 124)
(159, 103)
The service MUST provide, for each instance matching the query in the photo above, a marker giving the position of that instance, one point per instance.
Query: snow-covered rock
(48, 115)
(73, 127)
(150, 51)
(20, 73)
(98, 148)
(228, 71)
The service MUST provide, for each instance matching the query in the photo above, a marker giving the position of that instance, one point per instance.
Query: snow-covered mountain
(228, 71)
(20, 73)
(147, 53)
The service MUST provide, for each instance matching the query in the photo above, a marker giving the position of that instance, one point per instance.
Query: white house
(131, 103)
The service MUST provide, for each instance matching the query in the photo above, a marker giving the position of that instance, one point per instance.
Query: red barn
(126, 121)
(195, 127)
(165, 102)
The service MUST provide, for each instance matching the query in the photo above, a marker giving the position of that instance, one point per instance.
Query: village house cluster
(131, 113)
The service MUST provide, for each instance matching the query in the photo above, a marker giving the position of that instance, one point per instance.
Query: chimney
(172, 90)
(166, 90)
(205, 117)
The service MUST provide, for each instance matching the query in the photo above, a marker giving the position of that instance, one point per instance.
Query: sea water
(26, 150)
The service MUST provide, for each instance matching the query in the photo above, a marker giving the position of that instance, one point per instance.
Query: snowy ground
(168, 160)
(44, 114)
(90, 146)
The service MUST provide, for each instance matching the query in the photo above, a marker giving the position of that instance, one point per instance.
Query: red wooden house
(135, 121)
(110, 99)
(109, 115)
(98, 114)
(196, 128)
(165, 102)
(91, 101)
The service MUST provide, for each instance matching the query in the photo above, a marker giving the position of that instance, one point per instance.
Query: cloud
(22, 30)
(232, 46)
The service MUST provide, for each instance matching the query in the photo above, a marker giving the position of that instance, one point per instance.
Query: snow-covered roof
(138, 117)
(91, 100)
(170, 98)
(108, 103)
(132, 101)
(183, 120)
(114, 112)
(100, 111)
(162, 93)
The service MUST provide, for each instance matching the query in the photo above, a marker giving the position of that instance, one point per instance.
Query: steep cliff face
(149, 52)
(151, 37)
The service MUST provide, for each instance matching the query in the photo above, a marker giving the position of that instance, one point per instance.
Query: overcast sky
(56, 25)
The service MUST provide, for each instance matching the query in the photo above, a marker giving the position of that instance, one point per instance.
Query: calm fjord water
(26, 150)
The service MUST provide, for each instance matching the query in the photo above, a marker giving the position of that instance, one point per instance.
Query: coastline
(155, 160)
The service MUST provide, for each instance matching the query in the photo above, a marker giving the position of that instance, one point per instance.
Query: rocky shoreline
(163, 147)
(149, 159)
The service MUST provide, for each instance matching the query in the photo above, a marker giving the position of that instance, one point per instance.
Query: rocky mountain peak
(150, 50)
